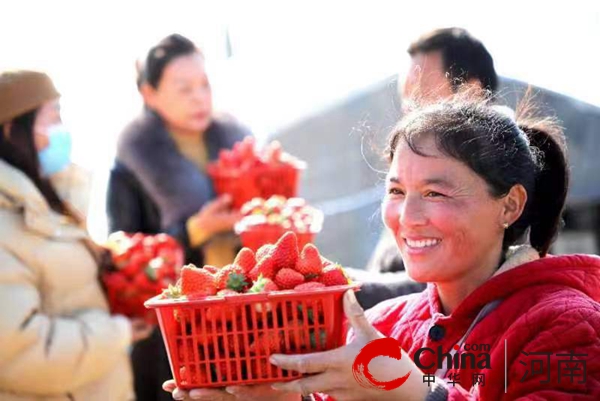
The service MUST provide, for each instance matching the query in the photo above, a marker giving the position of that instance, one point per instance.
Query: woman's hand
(214, 217)
(140, 329)
(232, 393)
(332, 370)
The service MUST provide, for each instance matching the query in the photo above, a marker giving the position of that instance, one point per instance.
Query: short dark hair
(161, 55)
(463, 56)
(502, 152)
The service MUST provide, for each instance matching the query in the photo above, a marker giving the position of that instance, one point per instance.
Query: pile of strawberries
(245, 172)
(229, 342)
(265, 221)
(291, 214)
(142, 266)
(274, 267)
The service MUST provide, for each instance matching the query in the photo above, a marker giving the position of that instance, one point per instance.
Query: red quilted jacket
(550, 306)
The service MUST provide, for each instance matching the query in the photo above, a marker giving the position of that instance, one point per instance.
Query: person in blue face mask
(55, 323)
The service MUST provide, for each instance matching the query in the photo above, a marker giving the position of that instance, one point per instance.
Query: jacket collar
(515, 256)
(18, 192)
(524, 268)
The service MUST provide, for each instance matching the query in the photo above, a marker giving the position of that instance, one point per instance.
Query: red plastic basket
(212, 342)
(262, 182)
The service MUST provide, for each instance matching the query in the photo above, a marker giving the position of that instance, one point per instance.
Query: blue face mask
(57, 155)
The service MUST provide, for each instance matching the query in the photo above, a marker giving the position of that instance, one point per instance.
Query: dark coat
(153, 188)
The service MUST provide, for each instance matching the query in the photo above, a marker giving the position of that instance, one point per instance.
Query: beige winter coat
(57, 341)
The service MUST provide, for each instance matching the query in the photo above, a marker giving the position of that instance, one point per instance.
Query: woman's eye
(395, 191)
(434, 194)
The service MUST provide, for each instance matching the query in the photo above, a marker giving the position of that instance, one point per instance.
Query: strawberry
(226, 312)
(309, 263)
(209, 337)
(285, 253)
(137, 262)
(309, 286)
(334, 275)
(263, 284)
(263, 251)
(265, 267)
(143, 283)
(245, 259)
(231, 277)
(193, 376)
(267, 343)
(326, 262)
(287, 279)
(197, 282)
(115, 282)
(188, 347)
(211, 269)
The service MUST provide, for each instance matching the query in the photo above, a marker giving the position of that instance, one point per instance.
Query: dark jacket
(153, 188)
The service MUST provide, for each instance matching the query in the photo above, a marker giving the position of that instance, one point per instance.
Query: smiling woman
(474, 201)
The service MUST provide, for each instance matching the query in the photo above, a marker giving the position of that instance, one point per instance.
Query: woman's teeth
(422, 243)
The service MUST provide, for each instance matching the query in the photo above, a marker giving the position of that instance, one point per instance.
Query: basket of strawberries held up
(265, 221)
(245, 173)
(220, 325)
(142, 266)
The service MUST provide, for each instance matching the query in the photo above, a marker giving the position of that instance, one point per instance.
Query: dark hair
(161, 55)
(18, 149)
(504, 154)
(463, 56)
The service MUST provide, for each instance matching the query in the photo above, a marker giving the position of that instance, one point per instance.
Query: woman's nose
(412, 212)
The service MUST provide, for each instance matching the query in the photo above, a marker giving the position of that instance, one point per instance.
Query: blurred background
(318, 76)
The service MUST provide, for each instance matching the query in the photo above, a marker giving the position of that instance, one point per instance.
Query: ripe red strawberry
(137, 262)
(231, 277)
(334, 275)
(263, 251)
(115, 282)
(263, 284)
(211, 269)
(245, 259)
(309, 263)
(193, 376)
(285, 254)
(309, 286)
(267, 343)
(188, 347)
(265, 267)
(197, 282)
(326, 262)
(287, 279)
(208, 335)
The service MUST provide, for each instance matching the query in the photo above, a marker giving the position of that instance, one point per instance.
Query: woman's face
(183, 97)
(46, 116)
(446, 224)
